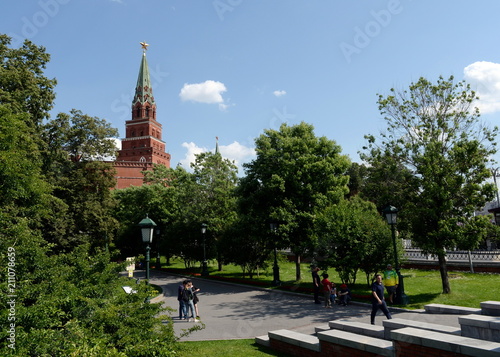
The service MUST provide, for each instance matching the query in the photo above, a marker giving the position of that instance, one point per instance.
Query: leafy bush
(74, 305)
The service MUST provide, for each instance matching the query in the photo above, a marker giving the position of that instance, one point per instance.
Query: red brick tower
(142, 146)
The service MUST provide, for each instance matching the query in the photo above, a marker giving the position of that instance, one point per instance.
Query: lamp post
(276, 268)
(204, 271)
(391, 214)
(147, 227)
(158, 257)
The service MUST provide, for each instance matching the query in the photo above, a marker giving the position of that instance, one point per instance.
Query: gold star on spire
(144, 46)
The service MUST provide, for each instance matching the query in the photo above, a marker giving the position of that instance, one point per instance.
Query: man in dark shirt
(378, 301)
(316, 284)
(182, 306)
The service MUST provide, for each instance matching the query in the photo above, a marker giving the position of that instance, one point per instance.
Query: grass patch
(422, 286)
(226, 348)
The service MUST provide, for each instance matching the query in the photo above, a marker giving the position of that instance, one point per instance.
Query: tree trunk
(444, 274)
(219, 262)
(297, 267)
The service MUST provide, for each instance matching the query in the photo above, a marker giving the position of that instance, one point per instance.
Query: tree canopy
(54, 217)
(294, 176)
(434, 133)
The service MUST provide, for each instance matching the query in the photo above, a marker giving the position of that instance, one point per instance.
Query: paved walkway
(231, 311)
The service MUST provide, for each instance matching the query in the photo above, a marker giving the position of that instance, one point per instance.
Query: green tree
(357, 178)
(204, 196)
(354, 236)
(74, 304)
(75, 144)
(23, 190)
(212, 199)
(161, 204)
(434, 132)
(295, 176)
(23, 86)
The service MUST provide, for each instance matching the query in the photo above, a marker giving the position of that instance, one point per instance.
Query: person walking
(378, 301)
(391, 282)
(195, 301)
(316, 284)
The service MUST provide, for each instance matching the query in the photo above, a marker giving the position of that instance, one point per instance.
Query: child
(333, 293)
(327, 289)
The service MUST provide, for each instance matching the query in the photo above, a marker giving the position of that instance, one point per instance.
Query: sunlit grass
(421, 286)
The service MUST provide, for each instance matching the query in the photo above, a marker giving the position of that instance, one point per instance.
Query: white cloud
(235, 152)
(192, 150)
(207, 92)
(279, 93)
(484, 78)
(118, 145)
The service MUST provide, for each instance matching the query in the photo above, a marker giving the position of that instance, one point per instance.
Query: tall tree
(433, 130)
(294, 176)
(354, 236)
(161, 204)
(74, 145)
(212, 200)
(23, 86)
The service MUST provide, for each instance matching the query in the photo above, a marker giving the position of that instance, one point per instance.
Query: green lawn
(422, 286)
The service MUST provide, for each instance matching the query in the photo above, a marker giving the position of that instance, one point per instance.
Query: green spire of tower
(143, 89)
(217, 145)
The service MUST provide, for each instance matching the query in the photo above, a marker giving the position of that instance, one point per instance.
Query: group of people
(188, 301)
(388, 281)
(330, 292)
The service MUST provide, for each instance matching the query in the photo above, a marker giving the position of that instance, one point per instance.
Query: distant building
(142, 146)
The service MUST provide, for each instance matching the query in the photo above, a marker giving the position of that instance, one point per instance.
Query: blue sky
(232, 68)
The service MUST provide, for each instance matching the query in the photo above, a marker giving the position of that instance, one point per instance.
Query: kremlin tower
(142, 146)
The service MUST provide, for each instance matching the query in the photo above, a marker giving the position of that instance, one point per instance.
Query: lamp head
(147, 227)
(391, 214)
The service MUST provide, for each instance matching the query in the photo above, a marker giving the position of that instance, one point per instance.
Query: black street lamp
(158, 257)
(276, 268)
(147, 227)
(204, 271)
(391, 214)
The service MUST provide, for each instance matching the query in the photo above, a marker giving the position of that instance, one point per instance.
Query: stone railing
(456, 255)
